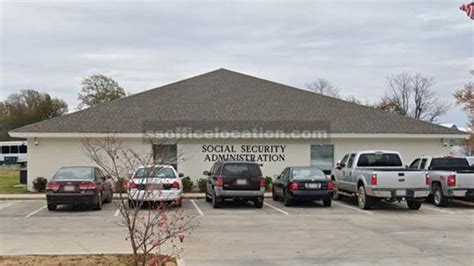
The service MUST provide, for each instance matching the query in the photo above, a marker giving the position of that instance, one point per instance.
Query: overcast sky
(51, 46)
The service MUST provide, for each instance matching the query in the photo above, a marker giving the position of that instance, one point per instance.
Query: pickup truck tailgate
(465, 180)
(400, 179)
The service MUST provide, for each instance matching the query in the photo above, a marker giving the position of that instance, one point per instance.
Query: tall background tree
(26, 107)
(413, 96)
(98, 89)
(323, 87)
(465, 98)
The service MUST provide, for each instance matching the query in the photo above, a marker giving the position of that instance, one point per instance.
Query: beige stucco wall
(52, 153)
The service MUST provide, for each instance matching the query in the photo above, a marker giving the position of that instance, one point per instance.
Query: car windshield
(241, 169)
(379, 160)
(74, 173)
(307, 173)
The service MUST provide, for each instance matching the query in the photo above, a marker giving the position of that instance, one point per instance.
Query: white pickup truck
(379, 175)
(451, 177)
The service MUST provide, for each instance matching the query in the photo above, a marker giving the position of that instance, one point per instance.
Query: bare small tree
(148, 230)
(413, 96)
(323, 87)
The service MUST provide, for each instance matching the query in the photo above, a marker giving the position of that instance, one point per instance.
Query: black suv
(235, 180)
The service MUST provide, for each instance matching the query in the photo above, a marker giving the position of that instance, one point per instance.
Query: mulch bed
(114, 259)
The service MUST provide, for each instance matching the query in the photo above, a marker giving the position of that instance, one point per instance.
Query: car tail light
(52, 186)
(293, 186)
(330, 186)
(373, 180)
(84, 186)
(132, 185)
(220, 181)
(427, 179)
(175, 185)
(451, 180)
(262, 182)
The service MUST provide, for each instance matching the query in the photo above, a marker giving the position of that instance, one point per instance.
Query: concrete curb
(38, 196)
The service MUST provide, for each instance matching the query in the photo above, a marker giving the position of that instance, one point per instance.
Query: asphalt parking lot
(239, 234)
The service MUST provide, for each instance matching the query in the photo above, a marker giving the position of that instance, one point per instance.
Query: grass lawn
(74, 260)
(8, 179)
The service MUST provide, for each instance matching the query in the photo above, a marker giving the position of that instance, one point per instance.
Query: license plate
(241, 182)
(400, 192)
(313, 185)
(155, 186)
(69, 188)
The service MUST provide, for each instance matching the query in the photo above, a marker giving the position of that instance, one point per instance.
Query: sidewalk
(41, 196)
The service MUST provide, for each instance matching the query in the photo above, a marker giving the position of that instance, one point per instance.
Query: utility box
(23, 176)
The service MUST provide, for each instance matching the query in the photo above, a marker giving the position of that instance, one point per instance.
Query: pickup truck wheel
(258, 203)
(286, 200)
(364, 201)
(208, 199)
(327, 203)
(274, 195)
(216, 202)
(414, 204)
(438, 198)
(51, 207)
(336, 195)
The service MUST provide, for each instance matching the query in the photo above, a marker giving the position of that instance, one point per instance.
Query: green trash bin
(10, 160)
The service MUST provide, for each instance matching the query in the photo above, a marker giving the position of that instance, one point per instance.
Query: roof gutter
(256, 136)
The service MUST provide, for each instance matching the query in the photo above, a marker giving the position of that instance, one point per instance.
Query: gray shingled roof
(224, 95)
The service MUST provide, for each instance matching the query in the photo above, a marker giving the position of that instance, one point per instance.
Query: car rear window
(163, 172)
(142, 172)
(438, 163)
(74, 173)
(379, 160)
(307, 173)
(241, 169)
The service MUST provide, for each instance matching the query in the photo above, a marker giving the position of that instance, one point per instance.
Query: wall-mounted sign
(244, 152)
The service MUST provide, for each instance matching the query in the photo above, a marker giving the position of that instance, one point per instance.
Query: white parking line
(350, 207)
(117, 212)
(35, 212)
(275, 208)
(436, 209)
(197, 208)
(6, 205)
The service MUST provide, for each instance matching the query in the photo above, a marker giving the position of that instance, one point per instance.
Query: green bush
(120, 186)
(39, 184)
(187, 184)
(201, 184)
(268, 183)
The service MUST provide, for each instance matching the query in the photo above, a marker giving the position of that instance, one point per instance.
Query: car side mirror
(180, 175)
(206, 173)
